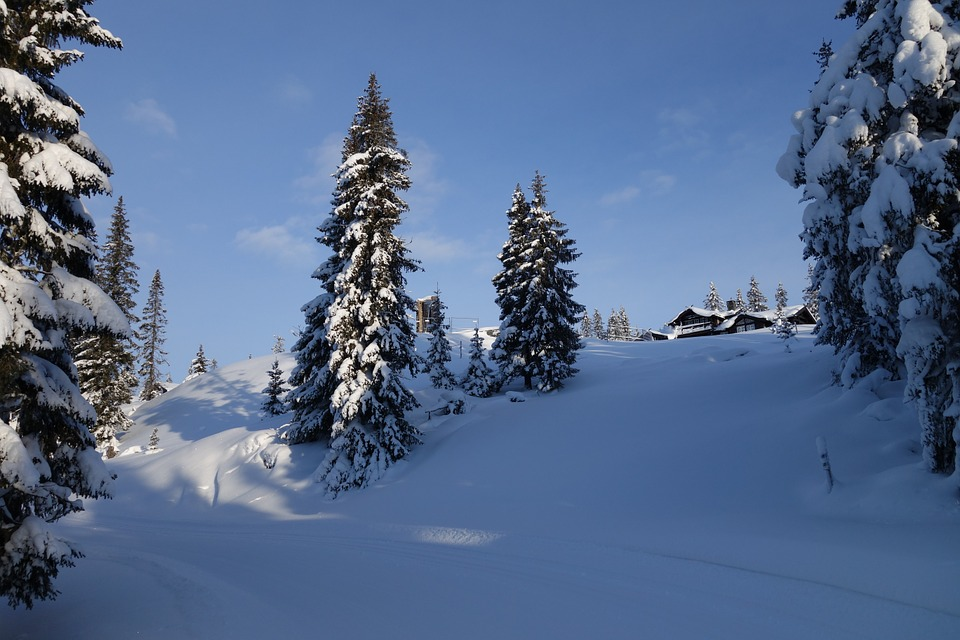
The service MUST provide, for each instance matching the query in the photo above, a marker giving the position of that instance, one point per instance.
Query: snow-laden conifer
(783, 327)
(106, 363)
(780, 297)
(739, 303)
(312, 381)
(479, 379)
(876, 154)
(618, 325)
(614, 326)
(199, 365)
(586, 326)
(153, 334)
(598, 328)
(756, 301)
(273, 404)
(47, 164)
(713, 301)
(438, 353)
(509, 286)
(538, 316)
(371, 337)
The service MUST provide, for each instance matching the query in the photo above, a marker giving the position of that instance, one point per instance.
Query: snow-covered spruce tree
(598, 329)
(47, 164)
(782, 327)
(153, 330)
(877, 156)
(780, 297)
(586, 326)
(106, 364)
(312, 380)
(511, 292)
(628, 332)
(756, 301)
(618, 325)
(739, 304)
(273, 404)
(438, 353)
(372, 338)
(538, 315)
(624, 320)
(614, 326)
(279, 346)
(713, 301)
(199, 365)
(478, 380)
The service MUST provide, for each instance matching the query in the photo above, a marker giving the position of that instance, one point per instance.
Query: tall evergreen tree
(153, 333)
(614, 326)
(312, 380)
(624, 321)
(106, 363)
(509, 286)
(739, 304)
(598, 328)
(199, 365)
(438, 353)
(586, 326)
(756, 301)
(372, 339)
(780, 297)
(47, 453)
(478, 379)
(713, 301)
(538, 315)
(618, 325)
(877, 156)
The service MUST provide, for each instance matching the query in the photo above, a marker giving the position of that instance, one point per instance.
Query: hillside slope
(671, 490)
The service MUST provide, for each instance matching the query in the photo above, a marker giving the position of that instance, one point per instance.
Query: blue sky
(658, 126)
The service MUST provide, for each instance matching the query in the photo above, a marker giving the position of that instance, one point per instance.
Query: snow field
(670, 490)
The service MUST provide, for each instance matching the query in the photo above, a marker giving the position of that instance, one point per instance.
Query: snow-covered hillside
(671, 490)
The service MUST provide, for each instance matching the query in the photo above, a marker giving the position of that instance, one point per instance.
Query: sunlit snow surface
(671, 490)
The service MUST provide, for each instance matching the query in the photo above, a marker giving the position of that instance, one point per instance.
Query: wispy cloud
(151, 116)
(322, 161)
(652, 182)
(428, 188)
(683, 127)
(621, 196)
(437, 248)
(293, 92)
(291, 242)
(657, 182)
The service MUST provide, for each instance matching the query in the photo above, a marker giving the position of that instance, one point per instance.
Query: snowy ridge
(670, 490)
